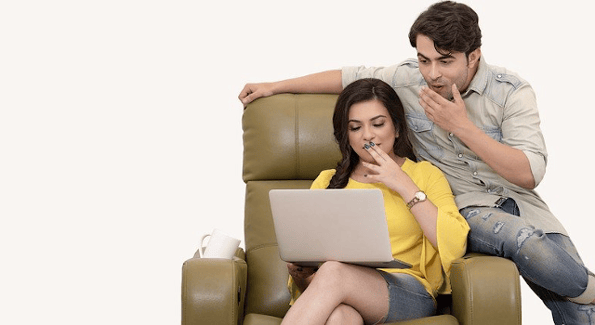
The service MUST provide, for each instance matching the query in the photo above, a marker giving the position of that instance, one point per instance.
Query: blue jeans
(548, 262)
(407, 298)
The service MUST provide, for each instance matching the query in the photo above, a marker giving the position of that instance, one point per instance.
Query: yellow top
(430, 266)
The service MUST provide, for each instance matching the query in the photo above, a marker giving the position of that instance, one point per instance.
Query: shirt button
(451, 134)
(474, 173)
(460, 155)
(499, 76)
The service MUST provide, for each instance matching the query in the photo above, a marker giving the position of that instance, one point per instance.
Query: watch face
(420, 195)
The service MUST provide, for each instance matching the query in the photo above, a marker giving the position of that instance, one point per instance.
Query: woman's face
(369, 121)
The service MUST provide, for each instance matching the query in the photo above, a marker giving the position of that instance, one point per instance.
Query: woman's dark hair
(364, 90)
(454, 27)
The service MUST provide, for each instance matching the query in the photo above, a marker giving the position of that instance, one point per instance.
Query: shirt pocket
(423, 137)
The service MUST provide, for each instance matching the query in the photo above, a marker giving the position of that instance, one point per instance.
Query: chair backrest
(288, 141)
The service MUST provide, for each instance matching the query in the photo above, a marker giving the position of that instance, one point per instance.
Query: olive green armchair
(288, 140)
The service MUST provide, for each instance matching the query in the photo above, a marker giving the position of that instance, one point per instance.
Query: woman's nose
(368, 134)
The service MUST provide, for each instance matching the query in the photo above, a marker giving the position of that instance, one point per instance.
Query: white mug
(220, 245)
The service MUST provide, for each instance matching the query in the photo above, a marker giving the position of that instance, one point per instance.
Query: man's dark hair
(454, 27)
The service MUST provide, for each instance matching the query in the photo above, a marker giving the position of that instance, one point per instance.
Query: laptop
(345, 225)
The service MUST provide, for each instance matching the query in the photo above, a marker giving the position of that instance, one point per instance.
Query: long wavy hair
(364, 90)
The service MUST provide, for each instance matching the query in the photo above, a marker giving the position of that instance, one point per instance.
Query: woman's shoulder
(422, 166)
(422, 169)
(323, 179)
(327, 173)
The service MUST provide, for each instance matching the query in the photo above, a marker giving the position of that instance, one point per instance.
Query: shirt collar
(480, 80)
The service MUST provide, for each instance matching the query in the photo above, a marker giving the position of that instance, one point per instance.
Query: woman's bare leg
(361, 288)
(344, 315)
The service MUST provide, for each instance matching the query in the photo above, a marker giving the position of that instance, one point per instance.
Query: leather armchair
(288, 140)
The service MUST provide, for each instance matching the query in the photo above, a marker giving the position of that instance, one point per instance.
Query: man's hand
(449, 115)
(254, 91)
(508, 162)
(326, 82)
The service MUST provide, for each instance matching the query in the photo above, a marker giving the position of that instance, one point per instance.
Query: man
(480, 125)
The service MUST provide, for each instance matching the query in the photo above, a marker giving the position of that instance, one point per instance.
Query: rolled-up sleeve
(521, 130)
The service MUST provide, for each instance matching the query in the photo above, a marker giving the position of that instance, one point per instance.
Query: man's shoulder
(498, 84)
(504, 76)
(407, 74)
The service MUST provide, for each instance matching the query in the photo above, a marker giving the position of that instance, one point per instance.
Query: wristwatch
(419, 196)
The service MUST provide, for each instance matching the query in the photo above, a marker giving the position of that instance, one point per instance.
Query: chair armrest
(213, 290)
(485, 290)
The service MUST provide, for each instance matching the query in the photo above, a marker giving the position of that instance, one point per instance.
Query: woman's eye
(379, 125)
(354, 128)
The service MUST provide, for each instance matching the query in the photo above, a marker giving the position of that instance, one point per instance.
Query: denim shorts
(407, 298)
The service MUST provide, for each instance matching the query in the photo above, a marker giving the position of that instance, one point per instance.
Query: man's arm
(510, 163)
(327, 82)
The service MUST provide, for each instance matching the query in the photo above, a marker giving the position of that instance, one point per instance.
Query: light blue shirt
(501, 104)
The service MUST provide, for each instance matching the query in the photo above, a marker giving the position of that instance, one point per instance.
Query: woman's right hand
(302, 276)
(299, 272)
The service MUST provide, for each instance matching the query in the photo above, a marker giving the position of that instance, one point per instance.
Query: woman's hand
(302, 276)
(387, 171)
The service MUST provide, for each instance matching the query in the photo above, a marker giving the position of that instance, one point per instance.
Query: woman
(422, 218)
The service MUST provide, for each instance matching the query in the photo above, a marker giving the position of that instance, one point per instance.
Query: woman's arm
(388, 172)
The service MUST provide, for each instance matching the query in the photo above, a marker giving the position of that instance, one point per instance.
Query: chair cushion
(289, 137)
(257, 319)
(440, 320)
(267, 274)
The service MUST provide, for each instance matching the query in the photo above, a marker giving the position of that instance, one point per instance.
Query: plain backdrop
(121, 140)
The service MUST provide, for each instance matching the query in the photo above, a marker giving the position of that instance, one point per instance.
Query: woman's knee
(334, 277)
(345, 314)
(332, 272)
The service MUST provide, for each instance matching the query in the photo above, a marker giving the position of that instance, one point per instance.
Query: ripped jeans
(548, 262)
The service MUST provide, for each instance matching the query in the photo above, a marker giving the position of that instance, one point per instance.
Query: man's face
(442, 70)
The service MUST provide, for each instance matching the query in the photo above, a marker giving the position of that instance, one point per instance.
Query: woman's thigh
(408, 298)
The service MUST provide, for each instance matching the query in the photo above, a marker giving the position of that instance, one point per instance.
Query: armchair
(288, 140)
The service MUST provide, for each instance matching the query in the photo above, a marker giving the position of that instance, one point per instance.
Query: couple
(479, 125)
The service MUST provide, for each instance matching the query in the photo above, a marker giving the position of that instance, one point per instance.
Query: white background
(120, 131)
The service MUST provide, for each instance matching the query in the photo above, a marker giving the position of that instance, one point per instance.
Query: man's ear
(474, 58)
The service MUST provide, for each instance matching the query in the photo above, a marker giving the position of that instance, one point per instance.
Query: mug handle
(201, 249)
